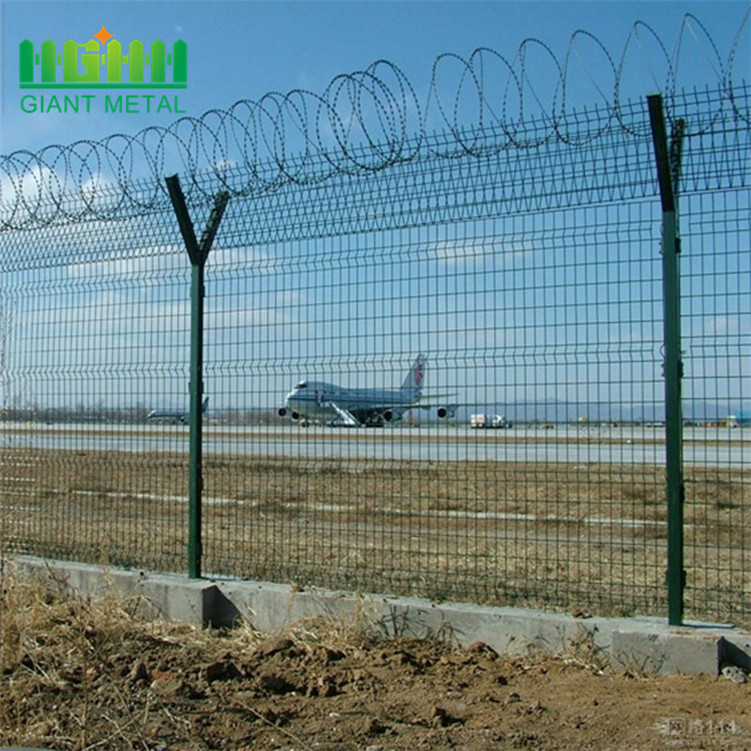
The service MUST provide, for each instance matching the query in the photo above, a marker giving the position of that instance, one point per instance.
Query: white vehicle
(488, 422)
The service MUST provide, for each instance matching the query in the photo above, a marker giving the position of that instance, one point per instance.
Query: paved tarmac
(564, 444)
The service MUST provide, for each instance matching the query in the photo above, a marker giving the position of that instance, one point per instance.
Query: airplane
(165, 415)
(359, 407)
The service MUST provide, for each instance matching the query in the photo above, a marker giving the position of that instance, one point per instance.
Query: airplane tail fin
(413, 382)
(205, 404)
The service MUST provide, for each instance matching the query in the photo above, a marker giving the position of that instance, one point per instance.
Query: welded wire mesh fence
(512, 284)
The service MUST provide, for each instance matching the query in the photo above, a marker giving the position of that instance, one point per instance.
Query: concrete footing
(641, 644)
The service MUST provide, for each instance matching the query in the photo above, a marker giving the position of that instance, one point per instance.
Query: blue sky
(243, 50)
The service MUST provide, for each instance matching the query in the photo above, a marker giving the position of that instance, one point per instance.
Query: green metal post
(195, 474)
(668, 166)
(198, 254)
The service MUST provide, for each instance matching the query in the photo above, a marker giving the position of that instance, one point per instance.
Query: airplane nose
(288, 405)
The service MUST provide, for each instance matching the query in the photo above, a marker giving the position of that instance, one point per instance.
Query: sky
(244, 50)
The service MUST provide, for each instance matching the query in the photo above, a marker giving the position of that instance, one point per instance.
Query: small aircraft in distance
(174, 416)
(359, 407)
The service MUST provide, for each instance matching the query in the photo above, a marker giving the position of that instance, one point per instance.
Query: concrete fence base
(643, 644)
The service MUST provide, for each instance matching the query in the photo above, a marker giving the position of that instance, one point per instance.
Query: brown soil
(81, 675)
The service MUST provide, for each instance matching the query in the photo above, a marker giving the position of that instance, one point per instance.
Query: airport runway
(629, 445)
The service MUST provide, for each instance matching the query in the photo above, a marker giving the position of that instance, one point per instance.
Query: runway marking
(430, 513)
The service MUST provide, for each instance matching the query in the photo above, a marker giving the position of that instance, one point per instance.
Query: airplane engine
(281, 412)
(388, 415)
(295, 416)
(447, 411)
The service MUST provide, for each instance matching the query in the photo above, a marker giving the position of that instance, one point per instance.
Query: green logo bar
(101, 64)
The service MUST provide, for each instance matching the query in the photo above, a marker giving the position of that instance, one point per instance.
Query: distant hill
(570, 412)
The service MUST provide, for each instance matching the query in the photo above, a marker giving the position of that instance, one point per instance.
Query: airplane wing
(442, 410)
(390, 411)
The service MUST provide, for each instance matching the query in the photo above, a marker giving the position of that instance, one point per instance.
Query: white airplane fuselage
(320, 400)
(174, 416)
(358, 407)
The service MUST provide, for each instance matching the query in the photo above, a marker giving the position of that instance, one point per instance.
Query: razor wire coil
(364, 122)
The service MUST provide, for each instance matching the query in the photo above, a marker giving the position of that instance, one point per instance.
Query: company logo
(101, 63)
(418, 374)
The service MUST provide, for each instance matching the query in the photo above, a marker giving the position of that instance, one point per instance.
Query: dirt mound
(84, 675)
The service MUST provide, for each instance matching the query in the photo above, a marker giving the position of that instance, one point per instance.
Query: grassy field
(589, 538)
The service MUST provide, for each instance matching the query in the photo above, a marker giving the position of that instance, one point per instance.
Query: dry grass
(573, 536)
(71, 664)
(82, 674)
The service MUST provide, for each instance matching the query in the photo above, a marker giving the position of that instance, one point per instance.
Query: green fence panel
(464, 329)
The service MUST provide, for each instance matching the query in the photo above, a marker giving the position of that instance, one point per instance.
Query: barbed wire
(369, 120)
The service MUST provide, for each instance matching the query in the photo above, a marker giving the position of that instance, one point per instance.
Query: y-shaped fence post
(198, 254)
(668, 168)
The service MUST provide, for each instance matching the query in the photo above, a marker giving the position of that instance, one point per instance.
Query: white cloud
(149, 264)
(167, 263)
(478, 251)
